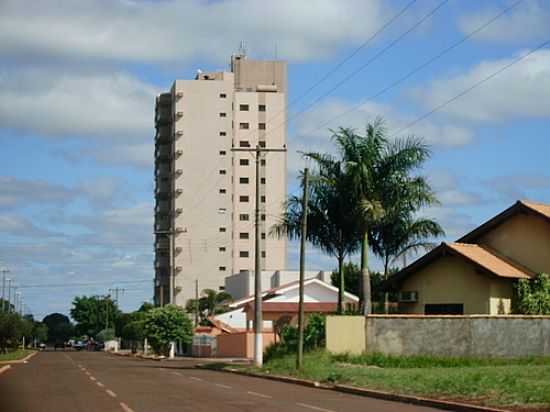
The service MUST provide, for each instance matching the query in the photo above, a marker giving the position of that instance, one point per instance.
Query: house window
(261, 126)
(223, 95)
(243, 107)
(243, 180)
(243, 253)
(244, 143)
(243, 235)
(261, 108)
(222, 114)
(222, 229)
(223, 171)
(444, 309)
(222, 191)
(221, 248)
(244, 126)
(244, 162)
(243, 217)
(221, 268)
(222, 153)
(223, 134)
(243, 199)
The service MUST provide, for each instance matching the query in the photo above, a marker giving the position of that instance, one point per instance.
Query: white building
(204, 212)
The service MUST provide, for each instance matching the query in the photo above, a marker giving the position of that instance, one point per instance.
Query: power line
(62, 285)
(417, 68)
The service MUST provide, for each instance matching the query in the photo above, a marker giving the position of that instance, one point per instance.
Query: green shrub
(105, 335)
(165, 325)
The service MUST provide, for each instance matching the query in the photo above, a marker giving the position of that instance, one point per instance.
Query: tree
(352, 276)
(59, 327)
(380, 169)
(10, 330)
(40, 332)
(533, 295)
(330, 225)
(165, 325)
(105, 335)
(210, 303)
(93, 314)
(134, 333)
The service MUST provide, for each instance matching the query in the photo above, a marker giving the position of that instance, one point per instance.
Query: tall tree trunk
(365, 275)
(341, 284)
(386, 294)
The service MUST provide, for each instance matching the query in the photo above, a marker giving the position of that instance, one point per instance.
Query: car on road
(78, 345)
(42, 346)
(59, 344)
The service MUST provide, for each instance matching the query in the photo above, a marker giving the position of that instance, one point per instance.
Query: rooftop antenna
(242, 49)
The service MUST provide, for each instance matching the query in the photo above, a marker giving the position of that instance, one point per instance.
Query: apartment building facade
(205, 192)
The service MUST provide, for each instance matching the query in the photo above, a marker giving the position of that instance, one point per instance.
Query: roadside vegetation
(13, 355)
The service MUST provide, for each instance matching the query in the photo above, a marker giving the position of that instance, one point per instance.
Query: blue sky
(77, 87)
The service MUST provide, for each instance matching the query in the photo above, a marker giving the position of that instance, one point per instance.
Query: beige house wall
(525, 238)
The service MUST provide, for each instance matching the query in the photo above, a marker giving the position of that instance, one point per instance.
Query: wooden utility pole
(197, 306)
(258, 321)
(116, 290)
(303, 235)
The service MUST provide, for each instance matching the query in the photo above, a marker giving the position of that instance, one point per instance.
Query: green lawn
(495, 382)
(14, 355)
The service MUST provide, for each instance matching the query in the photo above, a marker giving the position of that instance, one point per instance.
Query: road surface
(98, 382)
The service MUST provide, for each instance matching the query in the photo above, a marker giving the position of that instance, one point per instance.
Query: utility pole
(197, 306)
(303, 235)
(9, 295)
(4, 272)
(258, 321)
(116, 290)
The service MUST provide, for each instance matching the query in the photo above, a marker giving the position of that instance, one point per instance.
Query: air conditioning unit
(408, 297)
(179, 211)
(181, 230)
(179, 95)
(179, 268)
(179, 114)
(179, 249)
(179, 192)
(179, 153)
(178, 172)
(179, 133)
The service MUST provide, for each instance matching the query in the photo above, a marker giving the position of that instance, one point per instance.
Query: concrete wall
(240, 345)
(500, 336)
(525, 238)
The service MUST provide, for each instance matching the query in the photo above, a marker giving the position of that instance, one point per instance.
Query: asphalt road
(98, 382)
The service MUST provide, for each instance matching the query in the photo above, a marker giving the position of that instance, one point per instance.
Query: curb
(4, 369)
(25, 359)
(370, 393)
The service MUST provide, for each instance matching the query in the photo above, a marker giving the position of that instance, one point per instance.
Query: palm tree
(329, 225)
(210, 303)
(379, 170)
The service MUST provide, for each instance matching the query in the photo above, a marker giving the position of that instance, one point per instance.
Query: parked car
(42, 346)
(99, 346)
(78, 345)
(59, 344)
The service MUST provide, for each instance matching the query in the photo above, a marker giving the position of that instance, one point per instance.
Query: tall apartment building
(205, 192)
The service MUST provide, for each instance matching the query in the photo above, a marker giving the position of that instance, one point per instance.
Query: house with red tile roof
(476, 274)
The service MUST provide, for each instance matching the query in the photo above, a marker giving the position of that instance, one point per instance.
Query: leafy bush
(165, 325)
(105, 335)
(533, 295)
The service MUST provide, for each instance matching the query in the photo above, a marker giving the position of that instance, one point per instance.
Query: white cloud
(449, 191)
(15, 192)
(516, 187)
(54, 102)
(137, 155)
(523, 90)
(168, 31)
(526, 22)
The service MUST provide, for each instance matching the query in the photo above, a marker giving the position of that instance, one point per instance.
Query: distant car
(42, 346)
(60, 345)
(78, 345)
(99, 346)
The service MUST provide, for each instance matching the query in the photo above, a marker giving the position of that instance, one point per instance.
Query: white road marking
(261, 395)
(223, 386)
(4, 369)
(88, 373)
(125, 407)
(110, 393)
(100, 384)
(92, 378)
(195, 379)
(313, 407)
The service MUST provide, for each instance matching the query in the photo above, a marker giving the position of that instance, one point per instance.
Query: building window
(263, 235)
(222, 191)
(243, 180)
(243, 253)
(263, 253)
(243, 217)
(221, 268)
(223, 134)
(222, 114)
(223, 152)
(262, 199)
(262, 162)
(263, 218)
(244, 143)
(223, 95)
(261, 126)
(223, 171)
(261, 108)
(222, 229)
(262, 143)
(243, 235)
(262, 180)
(243, 107)
(244, 162)
(244, 126)
(221, 248)
(243, 199)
